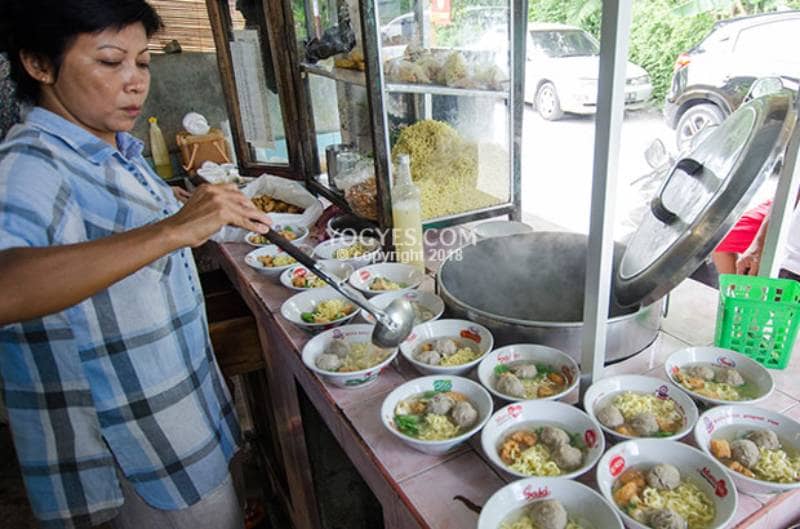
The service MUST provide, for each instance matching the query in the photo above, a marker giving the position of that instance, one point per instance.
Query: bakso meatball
(567, 457)
(729, 376)
(548, 514)
(745, 452)
(704, 372)
(509, 384)
(464, 414)
(328, 362)
(440, 404)
(526, 371)
(338, 348)
(666, 519)
(610, 417)
(664, 477)
(644, 424)
(553, 437)
(445, 347)
(429, 357)
(764, 439)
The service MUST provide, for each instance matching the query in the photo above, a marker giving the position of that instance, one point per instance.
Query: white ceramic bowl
(501, 228)
(430, 301)
(336, 268)
(398, 272)
(301, 231)
(327, 249)
(536, 414)
(351, 334)
(476, 335)
(694, 466)
(539, 354)
(604, 390)
(273, 272)
(478, 396)
(753, 372)
(306, 301)
(582, 504)
(734, 421)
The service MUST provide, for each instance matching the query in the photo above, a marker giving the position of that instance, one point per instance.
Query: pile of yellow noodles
(631, 404)
(535, 461)
(777, 466)
(362, 356)
(687, 500)
(462, 356)
(437, 428)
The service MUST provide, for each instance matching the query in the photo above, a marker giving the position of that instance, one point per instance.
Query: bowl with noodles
(533, 503)
(451, 347)
(759, 448)
(300, 278)
(528, 372)
(636, 406)
(355, 251)
(293, 234)
(542, 439)
(427, 305)
(271, 260)
(655, 483)
(346, 357)
(318, 309)
(435, 414)
(719, 376)
(380, 278)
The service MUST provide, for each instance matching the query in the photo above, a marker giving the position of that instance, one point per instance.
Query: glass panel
(260, 107)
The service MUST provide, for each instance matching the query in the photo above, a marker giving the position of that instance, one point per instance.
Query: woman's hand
(181, 194)
(749, 262)
(209, 209)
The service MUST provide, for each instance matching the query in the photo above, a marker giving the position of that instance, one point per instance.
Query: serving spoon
(394, 323)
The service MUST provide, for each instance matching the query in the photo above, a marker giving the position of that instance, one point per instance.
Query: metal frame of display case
(376, 87)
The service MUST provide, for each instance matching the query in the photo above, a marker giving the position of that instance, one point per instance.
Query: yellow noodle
(631, 404)
(437, 428)
(777, 466)
(535, 461)
(687, 500)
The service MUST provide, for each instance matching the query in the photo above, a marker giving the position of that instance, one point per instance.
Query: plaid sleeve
(35, 197)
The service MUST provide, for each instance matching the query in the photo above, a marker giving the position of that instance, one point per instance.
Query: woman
(116, 404)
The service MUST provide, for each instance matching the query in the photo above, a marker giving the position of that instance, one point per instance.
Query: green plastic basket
(758, 317)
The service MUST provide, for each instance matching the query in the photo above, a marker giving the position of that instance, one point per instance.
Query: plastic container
(158, 149)
(758, 317)
(407, 217)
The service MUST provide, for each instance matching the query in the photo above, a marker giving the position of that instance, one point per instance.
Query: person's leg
(725, 262)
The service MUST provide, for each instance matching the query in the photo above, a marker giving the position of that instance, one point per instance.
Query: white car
(562, 70)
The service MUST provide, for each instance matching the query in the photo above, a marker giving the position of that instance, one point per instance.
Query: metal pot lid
(701, 199)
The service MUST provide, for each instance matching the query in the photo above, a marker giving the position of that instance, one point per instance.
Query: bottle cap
(152, 120)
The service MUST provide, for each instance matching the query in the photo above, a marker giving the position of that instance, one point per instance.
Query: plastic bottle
(158, 149)
(407, 217)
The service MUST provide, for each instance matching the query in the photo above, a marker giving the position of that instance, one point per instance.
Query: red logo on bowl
(662, 393)
(726, 361)
(411, 296)
(300, 272)
(515, 410)
(364, 275)
(720, 487)
(411, 337)
(338, 335)
(567, 373)
(709, 424)
(675, 370)
(502, 359)
(616, 466)
(535, 494)
(471, 334)
(590, 438)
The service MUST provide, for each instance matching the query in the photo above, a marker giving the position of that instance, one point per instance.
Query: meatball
(666, 519)
(664, 477)
(509, 384)
(704, 372)
(440, 404)
(445, 347)
(745, 452)
(567, 457)
(328, 362)
(729, 376)
(553, 437)
(610, 416)
(464, 414)
(525, 371)
(764, 439)
(644, 424)
(549, 514)
(429, 357)
(338, 348)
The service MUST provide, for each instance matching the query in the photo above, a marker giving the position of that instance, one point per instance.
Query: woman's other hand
(212, 207)
(749, 262)
(181, 194)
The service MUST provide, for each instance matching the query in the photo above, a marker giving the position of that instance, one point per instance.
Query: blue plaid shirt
(125, 378)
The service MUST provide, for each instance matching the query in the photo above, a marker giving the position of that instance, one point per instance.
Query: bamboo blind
(187, 22)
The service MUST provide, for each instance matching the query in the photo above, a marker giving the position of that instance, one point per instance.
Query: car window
(564, 43)
(769, 40)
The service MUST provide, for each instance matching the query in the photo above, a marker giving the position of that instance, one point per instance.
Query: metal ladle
(394, 323)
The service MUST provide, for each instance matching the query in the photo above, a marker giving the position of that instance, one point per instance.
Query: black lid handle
(689, 166)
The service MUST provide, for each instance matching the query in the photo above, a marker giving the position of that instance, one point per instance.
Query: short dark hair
(49, 27)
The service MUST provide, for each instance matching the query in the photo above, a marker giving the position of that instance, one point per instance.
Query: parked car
(711, 80)
(562, 71)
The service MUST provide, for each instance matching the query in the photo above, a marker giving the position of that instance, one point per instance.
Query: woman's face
(103, 81)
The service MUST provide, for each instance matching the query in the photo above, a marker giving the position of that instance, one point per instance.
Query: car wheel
(547, 103)
(695, 119)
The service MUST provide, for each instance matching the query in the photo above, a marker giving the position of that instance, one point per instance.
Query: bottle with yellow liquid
(158, 149)
(407, 217)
